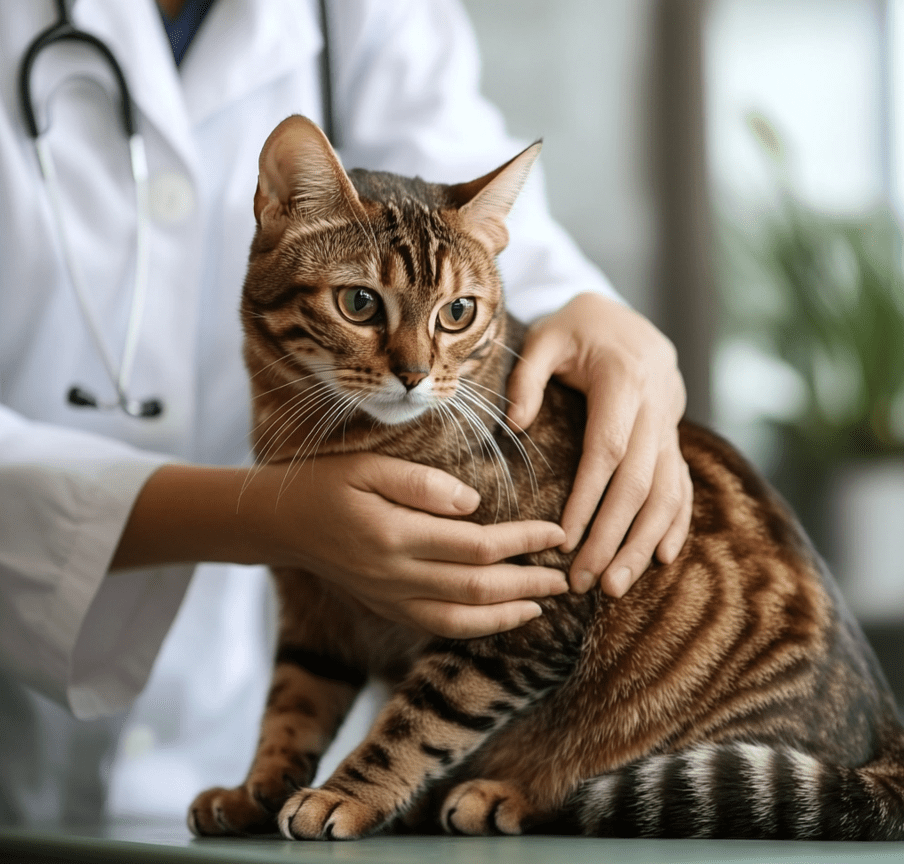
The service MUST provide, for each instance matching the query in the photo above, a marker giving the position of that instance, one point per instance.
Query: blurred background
(736, 167)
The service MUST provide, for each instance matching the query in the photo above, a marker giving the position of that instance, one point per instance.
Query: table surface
(156, 842)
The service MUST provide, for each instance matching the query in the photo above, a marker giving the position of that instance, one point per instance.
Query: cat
(728, 694)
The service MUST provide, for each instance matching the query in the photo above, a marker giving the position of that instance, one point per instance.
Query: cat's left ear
(484, 203)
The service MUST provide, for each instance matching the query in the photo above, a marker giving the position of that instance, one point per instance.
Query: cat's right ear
(301, 179)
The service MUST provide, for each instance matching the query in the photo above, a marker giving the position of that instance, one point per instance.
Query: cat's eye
(358, 304)
(458, 314)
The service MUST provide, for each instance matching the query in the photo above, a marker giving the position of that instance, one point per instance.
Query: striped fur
(729, 694)
(742, 790)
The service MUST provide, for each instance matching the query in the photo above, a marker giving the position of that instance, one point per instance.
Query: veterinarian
(132, 677)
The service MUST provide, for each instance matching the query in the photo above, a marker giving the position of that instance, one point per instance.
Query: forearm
(191, 513)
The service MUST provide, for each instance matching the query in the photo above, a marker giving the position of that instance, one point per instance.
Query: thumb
(418, 486)
(527, 382)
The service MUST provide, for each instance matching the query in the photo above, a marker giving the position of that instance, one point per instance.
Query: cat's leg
(309, 697)
(457, 695)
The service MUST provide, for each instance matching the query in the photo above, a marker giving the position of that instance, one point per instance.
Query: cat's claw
(484, 807)
(323, 814)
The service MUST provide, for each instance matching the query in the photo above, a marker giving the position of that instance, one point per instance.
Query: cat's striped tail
(745, 791)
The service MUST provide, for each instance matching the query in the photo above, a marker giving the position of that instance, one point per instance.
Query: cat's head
(377, 292)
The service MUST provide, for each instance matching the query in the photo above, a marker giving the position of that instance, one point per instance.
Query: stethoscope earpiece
(148, 408)
(81, 398)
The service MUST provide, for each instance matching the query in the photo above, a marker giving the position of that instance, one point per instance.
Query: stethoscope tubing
(63, 30)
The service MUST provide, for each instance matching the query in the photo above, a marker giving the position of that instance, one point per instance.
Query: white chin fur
(397, 411)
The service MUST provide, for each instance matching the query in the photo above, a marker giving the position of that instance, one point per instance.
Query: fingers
(610, 431)
(487, 585)
(628, 490)
(541, 354)
(454, 621)
(467, 543)
(662, 520)
(416, 486)
(670, 545)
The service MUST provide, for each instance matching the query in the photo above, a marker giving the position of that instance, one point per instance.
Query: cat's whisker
(334, 400)
(488, 442)
(535, 489)
(281, 416)
(306, 403)
(311, 440)
(293, 383)
(487, 432)
(321, 431)
(511, 351)
(441, 413)
(289, 412)
(446, 411)
(344, 410)
(477, 433)
(484, 387)
(350, 413)
(501, 419)
(327, 400)
(275, 362)
(272, 433)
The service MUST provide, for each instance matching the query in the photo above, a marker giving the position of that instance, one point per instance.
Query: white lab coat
(72, 640)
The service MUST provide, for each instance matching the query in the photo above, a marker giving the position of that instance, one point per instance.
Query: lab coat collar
(241, 46)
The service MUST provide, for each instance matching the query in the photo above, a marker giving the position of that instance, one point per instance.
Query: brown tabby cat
(730, 694)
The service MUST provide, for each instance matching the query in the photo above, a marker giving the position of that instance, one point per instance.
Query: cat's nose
(411, 377)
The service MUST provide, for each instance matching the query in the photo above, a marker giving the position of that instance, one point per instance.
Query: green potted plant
(824, 295)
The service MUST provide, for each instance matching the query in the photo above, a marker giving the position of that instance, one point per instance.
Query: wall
(578, 74)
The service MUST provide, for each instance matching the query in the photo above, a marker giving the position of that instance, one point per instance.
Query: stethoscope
(63, 30)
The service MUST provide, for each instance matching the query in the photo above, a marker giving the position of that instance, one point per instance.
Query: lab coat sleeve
(408, 100)
(82, 637)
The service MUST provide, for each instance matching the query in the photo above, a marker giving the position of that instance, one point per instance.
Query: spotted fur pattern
(729, 694)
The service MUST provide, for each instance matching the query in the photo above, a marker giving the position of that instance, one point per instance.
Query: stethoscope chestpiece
(142, 408)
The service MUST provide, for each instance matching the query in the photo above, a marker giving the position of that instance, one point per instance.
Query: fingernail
(619, 581)
(535, 613)
(667, 555)
(562, 586)
(465, 499)
(572, 538)
(582, 581)
(556, 537)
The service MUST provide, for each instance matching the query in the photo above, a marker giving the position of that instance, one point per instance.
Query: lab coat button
(137, 741)
(172, 197)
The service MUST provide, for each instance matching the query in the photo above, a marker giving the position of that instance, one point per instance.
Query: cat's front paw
(252, 807)
(483, 807)
(324, 814)
(229, 811)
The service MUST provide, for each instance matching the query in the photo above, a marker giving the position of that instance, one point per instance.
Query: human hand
(635, 397)
(375, 526)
